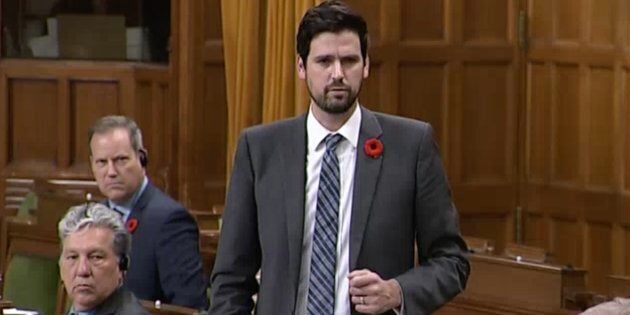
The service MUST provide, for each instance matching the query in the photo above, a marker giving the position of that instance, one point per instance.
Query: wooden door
(576, 147)
(483, 122)
(199, 74)
(455, 64)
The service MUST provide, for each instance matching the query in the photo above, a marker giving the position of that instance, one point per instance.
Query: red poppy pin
(373, 147)
(132, 224)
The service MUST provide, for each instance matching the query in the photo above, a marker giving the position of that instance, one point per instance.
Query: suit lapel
(138, 208)
(366, 175)
(293, 182)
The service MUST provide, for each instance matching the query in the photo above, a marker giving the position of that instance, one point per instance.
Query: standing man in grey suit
(167, 264)
(328, 205)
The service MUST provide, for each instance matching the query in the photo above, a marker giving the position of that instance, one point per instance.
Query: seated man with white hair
(93, 261)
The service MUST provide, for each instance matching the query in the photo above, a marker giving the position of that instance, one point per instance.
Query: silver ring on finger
(362, 300)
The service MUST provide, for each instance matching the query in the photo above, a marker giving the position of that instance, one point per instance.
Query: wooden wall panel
(89, 100)
(566, 125)
(422, 94)
(486, 21)
(371, 10)
(538, 141)
(33, 127)
(603, 22)
(151, 131)
(422, 22)
(598, 254)
(619, 253)
(486, 128)
(567, 242)
(568, 15)
(540, 20)
(626, 130)
(158, 125)
(554, 200)
(482, 123)
(212, 29)
(370, 91)
(202, 112)
(537, 232)
(207, 165)
(209, 152)
(95, 98)
(601, 139)
(487, 227)
(585, 200)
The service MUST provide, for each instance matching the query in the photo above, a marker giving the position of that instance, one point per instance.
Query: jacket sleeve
(179, 261)
(239, 254)
(443, 266)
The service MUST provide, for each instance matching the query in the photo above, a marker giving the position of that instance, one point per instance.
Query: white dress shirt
(346, 153)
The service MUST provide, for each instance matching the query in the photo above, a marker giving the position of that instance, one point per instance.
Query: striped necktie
(321, 290)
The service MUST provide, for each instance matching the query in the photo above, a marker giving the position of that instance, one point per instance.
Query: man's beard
(333, 105)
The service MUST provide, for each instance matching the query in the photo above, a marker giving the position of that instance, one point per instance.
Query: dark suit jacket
(398, 198)
(121, 302)
(165, 263)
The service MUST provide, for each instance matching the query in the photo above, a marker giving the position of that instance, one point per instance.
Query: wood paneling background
(202, 126)
(534, 139)
(576, 145)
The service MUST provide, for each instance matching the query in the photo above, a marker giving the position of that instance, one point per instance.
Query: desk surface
(500, 283)
(523, 264)
(464, 306)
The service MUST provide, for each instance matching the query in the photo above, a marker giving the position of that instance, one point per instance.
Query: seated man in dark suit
(167, 264)
(94, 257)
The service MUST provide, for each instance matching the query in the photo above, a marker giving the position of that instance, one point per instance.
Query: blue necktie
(321, 290)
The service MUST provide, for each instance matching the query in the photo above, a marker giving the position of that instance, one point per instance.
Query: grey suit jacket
(121, 302)
(400, 197)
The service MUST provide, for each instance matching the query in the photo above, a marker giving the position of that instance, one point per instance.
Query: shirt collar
(316, 132)
(73, 312)
(130, 204)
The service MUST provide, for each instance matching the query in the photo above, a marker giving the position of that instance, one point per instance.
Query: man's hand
(372, 295)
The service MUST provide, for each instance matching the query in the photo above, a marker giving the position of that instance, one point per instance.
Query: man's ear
(366, 67)
(301, 68)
